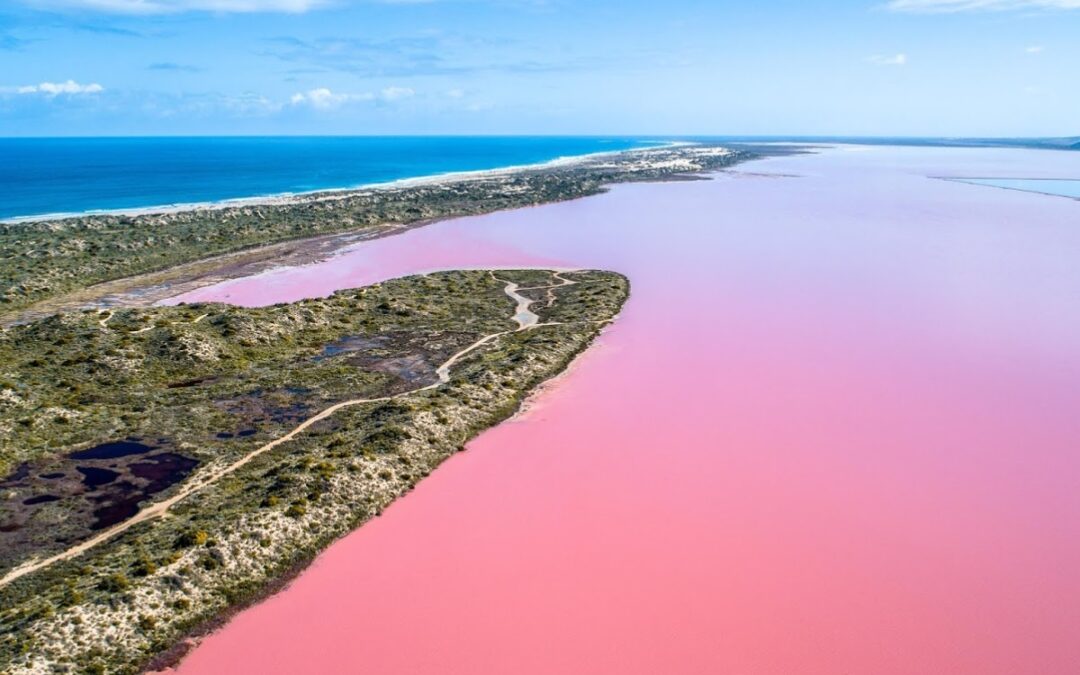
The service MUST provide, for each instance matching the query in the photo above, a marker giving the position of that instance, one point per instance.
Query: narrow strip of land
(134, 260)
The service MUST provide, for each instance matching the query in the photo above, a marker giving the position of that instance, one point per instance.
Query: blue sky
(674, 67)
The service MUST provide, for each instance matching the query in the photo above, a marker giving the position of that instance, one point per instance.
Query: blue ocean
(75, 175)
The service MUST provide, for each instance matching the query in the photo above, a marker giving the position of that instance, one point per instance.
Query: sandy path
(551, 288)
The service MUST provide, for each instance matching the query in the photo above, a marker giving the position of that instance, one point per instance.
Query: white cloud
(1034, 49)
(396, 93)
(177, 6)
(895, 60)
(51, 89)
(952, 6)
(250, 104)
(325, 99)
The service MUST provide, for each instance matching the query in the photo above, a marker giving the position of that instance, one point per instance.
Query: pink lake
(835, 430)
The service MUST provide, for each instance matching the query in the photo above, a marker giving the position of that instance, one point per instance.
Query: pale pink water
(834, 431)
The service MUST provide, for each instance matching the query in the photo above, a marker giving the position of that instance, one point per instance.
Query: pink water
(834, 431)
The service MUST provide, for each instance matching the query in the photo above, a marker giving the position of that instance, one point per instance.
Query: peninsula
(166, 465)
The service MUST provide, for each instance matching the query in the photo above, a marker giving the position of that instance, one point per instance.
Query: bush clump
(192, 538)
(115, 583)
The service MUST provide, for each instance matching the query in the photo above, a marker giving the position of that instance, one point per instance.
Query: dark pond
(21, 472)
(112, 450)
(97, 487)
(191, 383)
(41, 499)
(350, 343)
(94, 477)
(122, 501)
(162, 470)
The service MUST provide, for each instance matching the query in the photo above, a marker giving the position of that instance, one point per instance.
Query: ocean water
(74, 175)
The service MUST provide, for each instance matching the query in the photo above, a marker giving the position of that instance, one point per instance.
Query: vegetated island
(263, 434)
(69, 263)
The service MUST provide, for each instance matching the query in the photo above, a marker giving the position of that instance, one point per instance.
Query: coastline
(331, 192)
(109, 260)
(325, 193)
(665, 169)
(793, 338)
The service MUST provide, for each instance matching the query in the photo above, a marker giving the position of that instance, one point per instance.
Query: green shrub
(144, 566)
(114, 583)
(192, 538)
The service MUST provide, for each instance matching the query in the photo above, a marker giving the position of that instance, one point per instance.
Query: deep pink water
(836, 430)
